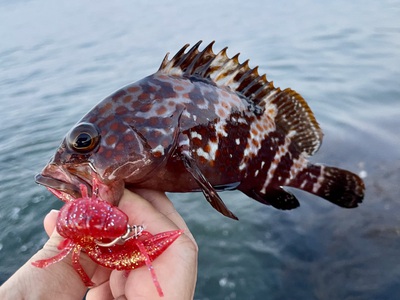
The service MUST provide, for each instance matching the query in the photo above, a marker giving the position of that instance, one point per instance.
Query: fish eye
(83, 138)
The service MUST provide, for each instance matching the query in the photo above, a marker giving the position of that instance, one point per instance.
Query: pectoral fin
(208, 190)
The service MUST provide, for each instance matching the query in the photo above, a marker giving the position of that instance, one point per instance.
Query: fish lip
(58, 185)
(62, 183)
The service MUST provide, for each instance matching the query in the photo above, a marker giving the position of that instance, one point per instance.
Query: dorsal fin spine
(207, 54)
(218, 64)
(223, 65)
(263, 90)
(171, 62)
(249, 87)
(249, 78)
(244, 77)
(242, 67)
(228, 71)
(189, 55)
(189, 69)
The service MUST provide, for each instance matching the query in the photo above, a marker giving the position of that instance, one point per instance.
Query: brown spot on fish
(202, 160)
(213, 139)
(163, 77)
(157, 154)
(221, 113)
(108, 154)
(254, 131)
(211, 163)
(121, 110)
(155, 134)
(111, 140)
(167, 122)
(143, 96)
(197, 143)
(105, 108)
(114, 126)
(120, 147)
(225, 94)
(146, 107)
(127, 98)
(207, 148)
(179, 88)
(161, 110)
(118, 94)
(256, 143)
(133, 89)
(153, 121)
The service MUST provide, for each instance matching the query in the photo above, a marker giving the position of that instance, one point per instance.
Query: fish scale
(202, 122)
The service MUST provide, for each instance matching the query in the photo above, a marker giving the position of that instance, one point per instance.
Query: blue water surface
(59, 58)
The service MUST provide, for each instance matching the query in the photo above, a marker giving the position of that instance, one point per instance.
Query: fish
(203, 122)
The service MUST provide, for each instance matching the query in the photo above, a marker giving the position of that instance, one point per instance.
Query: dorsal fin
(293, 115)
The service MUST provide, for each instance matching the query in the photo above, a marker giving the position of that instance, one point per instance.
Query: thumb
(50, 221)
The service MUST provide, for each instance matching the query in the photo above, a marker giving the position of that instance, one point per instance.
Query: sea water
(59, 58)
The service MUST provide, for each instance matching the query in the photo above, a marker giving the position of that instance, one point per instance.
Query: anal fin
(208, 190)
(278, 198)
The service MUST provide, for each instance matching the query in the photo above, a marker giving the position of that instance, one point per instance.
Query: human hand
(176, 268)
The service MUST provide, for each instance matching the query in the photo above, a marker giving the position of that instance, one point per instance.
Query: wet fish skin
(204, 122)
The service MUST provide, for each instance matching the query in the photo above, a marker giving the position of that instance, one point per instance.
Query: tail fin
(338, 186)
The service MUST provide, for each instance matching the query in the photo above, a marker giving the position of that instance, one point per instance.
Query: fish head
(97, 150)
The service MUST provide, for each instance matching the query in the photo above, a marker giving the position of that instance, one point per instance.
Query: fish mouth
(65, 182)
(58, 185)
(62, 183)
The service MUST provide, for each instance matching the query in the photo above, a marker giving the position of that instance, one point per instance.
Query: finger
(117, 283)
(101, 275)
(142, 212)
(163, 204)
(50, 221)
(158, 199)
(100, 292)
